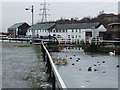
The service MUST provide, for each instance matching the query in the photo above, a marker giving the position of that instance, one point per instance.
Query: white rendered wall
(64, 35)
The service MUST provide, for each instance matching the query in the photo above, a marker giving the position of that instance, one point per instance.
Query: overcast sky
(14, 11)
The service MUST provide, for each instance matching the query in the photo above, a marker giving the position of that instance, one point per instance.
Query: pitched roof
(16, 25)
(113, 24)
(42, 26)
(78, 26)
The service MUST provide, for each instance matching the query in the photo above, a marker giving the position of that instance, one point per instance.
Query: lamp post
(32, 11)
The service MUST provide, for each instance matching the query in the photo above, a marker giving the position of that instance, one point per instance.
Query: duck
(118, 66)
(112, 53)
(77, 60)
(103, 61)
(73, 64)
(90, 69)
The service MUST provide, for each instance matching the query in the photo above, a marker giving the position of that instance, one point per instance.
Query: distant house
(74, 33)
(108, 17)
(115, 30)
(40, 29)
(18, 29)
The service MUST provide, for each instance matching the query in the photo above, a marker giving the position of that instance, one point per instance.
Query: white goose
(112, 53)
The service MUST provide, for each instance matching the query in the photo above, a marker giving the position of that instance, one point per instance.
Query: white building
(40, 29)
(71, 33)
(77, 32)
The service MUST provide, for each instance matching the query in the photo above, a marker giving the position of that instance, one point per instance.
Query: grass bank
(16, 44)
(102, 49)
(37, 75)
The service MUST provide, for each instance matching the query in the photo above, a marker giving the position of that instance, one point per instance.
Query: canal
(103, 74)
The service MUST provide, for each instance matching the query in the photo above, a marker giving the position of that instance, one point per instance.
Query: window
(59, 30)
(79, 31)
(72, 36)
(76, 36)
(58, 36)
(76, 30)
(63, 30)
(53, 30)
(37, 31)
(54, 35)
(56, 30)
(68, 36)
(72, 30)
(66, 30)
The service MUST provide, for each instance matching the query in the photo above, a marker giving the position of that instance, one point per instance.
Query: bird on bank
(112, 53)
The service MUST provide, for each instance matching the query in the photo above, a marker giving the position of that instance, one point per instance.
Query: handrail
(54, 69)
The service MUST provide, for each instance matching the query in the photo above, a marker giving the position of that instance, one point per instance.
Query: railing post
(42, 51)
(49, 69)
(53, 81)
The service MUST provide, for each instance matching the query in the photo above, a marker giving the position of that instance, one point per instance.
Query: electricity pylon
(44, 10)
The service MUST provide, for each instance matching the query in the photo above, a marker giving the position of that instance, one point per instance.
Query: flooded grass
(22, 66)
(36, 74)
(60, 61)
(38, 51)
(16, 63)
(18, 44)
(24, 46)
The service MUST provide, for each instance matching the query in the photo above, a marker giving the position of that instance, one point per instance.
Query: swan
(112, 53)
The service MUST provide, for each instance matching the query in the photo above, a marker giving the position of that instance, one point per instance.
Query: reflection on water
(104, 68)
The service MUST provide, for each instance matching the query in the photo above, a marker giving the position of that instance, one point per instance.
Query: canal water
(104, 72)
(16, 62)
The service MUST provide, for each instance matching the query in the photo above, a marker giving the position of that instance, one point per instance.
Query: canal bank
(102, 49)
(21, 66)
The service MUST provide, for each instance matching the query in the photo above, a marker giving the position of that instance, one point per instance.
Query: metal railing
(52, 70)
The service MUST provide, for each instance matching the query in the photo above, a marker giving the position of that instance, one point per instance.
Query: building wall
(12, 32)
(18, 31)
(116, 27)
(116, 31)
(72, 35)
(23, 29)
